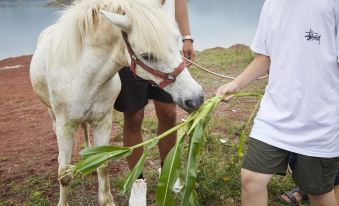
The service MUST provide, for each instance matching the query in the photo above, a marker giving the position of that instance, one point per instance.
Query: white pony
(74, 70)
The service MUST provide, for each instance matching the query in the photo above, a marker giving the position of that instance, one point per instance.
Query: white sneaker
(177, 187)
(138, 193)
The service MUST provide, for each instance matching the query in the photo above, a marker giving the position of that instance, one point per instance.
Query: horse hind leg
(101, 136)
(65, 131)
(51, 114)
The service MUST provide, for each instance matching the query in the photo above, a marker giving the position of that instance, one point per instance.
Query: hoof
(106, 200)
(107, 204)
(63, 204)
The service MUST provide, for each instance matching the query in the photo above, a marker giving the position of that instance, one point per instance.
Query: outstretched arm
(257, 68)
(181, 16)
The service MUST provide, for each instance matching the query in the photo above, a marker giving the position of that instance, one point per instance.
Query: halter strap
(167, 78)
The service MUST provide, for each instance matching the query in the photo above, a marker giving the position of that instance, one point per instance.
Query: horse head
(151, 37)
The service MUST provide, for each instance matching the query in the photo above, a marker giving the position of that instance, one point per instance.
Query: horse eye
(149, 57)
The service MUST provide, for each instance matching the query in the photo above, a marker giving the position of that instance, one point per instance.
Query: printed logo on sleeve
(313, 36)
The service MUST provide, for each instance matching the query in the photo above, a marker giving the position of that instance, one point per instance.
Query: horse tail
(87, 141)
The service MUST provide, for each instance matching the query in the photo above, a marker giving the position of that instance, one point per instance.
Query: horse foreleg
(65, 136)
(85, 130)
(101, 135)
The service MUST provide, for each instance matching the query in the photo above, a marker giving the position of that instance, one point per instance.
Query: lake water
(213, 23)
(20, 25)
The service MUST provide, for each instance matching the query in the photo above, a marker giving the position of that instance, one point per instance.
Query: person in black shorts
(135, 95)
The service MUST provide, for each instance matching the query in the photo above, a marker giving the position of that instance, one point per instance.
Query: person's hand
(188, 50)
(229, 88)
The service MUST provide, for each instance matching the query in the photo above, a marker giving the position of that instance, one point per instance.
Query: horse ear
(119, 20)
(162, 2)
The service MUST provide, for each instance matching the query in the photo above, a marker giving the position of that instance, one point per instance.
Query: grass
(218, 177)
(32, 191)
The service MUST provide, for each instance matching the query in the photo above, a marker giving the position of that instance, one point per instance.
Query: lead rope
(214, 73)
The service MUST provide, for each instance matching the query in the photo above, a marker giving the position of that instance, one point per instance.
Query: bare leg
(254, 188)
(132, 134)
(327, 199)
(336, 194)
(167, 115)
(65, 136)
(101, 136)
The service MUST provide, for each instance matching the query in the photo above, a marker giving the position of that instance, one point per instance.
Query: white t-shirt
(300, 109)
(169, 6)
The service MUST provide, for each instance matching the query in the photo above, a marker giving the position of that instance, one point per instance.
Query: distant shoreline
(234, 46)
(57, 3)
(54, 4)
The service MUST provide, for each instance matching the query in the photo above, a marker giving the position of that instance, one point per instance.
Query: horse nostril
(193, 104)
(190, 104)
(201, 99)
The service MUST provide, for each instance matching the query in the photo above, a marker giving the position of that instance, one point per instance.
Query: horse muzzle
(191, 104)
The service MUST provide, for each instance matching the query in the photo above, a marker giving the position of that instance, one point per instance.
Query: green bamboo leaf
(91, 163)
(190, 172)
(153, 144)
(241, 144)
(128, 181)
(205, 113)
(101, 149)
(193, 198)
(247, 94)
(242, 137)
(169, 174)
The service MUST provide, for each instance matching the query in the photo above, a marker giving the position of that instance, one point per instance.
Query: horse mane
(81, 24)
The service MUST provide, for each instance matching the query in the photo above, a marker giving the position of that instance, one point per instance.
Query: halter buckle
(170, 77)
(133, 57)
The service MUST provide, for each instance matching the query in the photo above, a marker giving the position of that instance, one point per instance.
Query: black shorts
(135, 93)
(313, 175)
(291, 162)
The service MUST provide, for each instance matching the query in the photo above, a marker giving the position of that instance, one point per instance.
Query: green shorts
(313, 175)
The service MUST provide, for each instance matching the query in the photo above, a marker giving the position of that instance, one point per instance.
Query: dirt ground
(28, 145)
(27, 142)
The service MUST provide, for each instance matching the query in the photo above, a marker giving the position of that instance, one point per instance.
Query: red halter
(167, 78)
